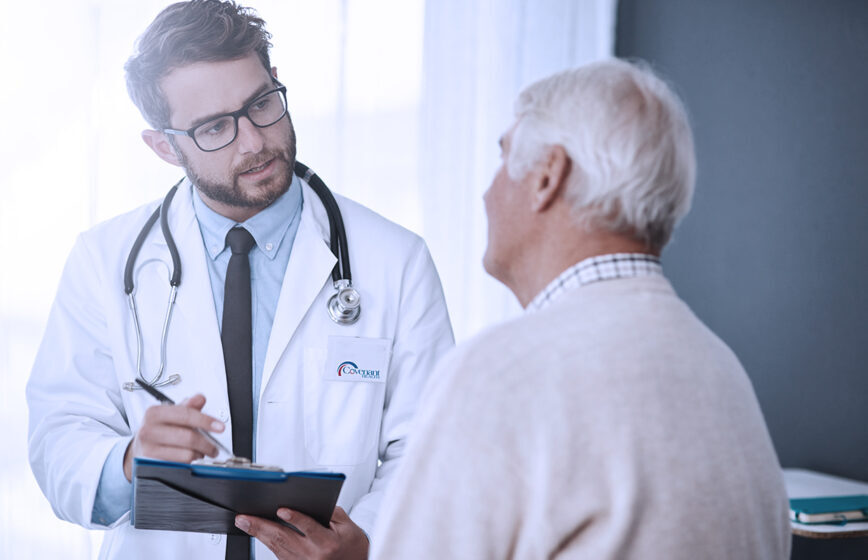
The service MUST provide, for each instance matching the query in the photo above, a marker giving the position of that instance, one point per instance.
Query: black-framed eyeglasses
(219, 132)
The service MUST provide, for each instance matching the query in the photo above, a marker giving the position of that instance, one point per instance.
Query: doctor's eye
(262, 103)
(215, 128)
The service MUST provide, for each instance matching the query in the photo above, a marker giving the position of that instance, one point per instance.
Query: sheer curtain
(478, 56)
(397, 104)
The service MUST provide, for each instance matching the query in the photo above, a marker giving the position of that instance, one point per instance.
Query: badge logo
(350, 369)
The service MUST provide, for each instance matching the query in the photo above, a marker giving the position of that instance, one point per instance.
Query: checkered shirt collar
(595, 269)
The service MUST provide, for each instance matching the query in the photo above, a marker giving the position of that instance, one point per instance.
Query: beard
(229, 191)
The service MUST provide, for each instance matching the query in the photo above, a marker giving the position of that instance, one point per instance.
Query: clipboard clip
(237, 463)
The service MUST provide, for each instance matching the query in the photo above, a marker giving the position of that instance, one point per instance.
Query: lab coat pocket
(344, 391)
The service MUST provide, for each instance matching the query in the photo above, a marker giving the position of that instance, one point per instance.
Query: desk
(809, 484)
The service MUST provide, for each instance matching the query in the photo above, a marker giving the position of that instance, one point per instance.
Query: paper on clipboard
(205, 498)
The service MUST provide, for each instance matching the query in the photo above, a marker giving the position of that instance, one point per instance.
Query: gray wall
(774, 254)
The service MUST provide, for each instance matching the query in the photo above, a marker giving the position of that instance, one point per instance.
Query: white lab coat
(78, 410)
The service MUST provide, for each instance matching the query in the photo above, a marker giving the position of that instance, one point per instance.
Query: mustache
(260, 159)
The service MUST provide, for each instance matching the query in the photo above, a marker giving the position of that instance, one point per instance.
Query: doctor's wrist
(128, 461)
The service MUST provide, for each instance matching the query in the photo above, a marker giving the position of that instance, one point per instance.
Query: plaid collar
(595, 269)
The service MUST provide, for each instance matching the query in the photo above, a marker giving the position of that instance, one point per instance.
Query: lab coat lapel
(307, 272)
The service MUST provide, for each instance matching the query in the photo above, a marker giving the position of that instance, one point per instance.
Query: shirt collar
(595, 269)
(267, 227)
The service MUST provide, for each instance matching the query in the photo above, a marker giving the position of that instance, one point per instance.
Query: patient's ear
(159, 142)
(551, 181)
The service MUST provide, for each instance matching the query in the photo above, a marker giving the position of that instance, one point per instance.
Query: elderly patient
(607, 421)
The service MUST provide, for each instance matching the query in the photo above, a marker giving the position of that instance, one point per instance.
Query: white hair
(628, 136)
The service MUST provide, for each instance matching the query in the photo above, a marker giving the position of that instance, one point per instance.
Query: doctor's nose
(249, 139)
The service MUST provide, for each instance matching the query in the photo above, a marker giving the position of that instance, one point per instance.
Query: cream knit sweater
(612, 424)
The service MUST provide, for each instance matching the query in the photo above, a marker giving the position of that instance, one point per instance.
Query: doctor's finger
(306, 524)
(197, 401)
(339, 515)
(153, 437)
(175, 454)
(182, 416)
(282, 541)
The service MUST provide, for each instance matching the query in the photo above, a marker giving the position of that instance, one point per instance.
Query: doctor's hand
(168, 432)
(342, 539)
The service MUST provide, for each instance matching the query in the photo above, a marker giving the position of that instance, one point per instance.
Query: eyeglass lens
(262, 111)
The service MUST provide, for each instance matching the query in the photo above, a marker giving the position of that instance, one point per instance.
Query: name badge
(356, 359)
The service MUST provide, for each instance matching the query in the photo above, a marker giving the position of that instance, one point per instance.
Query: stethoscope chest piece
(345, 305)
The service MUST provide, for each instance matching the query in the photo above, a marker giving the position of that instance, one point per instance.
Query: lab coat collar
(267, 227)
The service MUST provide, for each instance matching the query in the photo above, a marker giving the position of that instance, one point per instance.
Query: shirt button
(216, 539)
(269, 246)
(224, 415)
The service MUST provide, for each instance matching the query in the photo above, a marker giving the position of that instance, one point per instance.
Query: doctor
(203, 68)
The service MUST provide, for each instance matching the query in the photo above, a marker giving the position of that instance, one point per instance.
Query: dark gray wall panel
(774, 254)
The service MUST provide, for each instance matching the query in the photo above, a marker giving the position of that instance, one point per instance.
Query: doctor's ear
(159, 142)
(274, 72)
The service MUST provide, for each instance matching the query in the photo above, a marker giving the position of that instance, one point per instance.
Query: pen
(154, 392)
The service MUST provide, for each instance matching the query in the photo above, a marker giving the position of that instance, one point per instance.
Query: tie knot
(240, 241)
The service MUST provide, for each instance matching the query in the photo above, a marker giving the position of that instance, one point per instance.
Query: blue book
(836, 510)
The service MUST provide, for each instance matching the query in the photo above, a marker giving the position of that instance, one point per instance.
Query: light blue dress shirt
(274, 231)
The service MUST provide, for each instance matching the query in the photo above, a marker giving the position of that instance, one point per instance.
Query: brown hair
(185, 33)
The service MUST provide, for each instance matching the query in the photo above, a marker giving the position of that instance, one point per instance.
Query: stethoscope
(344, 306)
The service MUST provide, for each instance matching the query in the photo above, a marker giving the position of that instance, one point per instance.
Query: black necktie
(237, 338)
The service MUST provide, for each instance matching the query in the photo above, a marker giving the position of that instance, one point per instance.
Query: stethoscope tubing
(337, 233)
(343, 307)
(162, 212)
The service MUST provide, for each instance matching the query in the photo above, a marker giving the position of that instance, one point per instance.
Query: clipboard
(204, 498)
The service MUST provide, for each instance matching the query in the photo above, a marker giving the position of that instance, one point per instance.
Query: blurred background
(399, 104)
